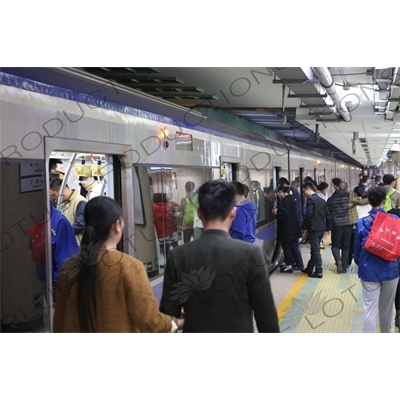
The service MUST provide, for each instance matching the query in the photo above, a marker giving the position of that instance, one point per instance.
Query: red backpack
(37, 236)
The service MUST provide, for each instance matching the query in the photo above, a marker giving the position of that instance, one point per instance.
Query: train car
(137, 156)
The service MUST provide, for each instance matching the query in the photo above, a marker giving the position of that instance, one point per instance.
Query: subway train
(137, 155)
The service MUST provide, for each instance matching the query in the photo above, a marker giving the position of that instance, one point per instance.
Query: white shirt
(322, 195)
(94, 192)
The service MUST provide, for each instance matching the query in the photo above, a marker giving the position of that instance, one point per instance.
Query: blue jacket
(63, 244)
(371, 268)
(244, 225)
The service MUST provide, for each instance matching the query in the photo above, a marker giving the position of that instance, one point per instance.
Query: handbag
(384, 238)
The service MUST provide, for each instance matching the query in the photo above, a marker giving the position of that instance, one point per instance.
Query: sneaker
(273, 264)
(297, 268)
(321, 246)
(287, 270)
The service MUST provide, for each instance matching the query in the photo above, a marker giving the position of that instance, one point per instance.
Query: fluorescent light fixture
(395, 146)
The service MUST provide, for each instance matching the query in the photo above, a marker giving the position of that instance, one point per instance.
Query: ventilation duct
(327, 82)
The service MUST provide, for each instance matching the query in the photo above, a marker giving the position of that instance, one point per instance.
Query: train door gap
(301, 179)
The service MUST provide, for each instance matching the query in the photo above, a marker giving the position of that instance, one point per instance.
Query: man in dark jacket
(338, 205)
(316, 221)
(219, 281)
(297, 198)
(244, 225)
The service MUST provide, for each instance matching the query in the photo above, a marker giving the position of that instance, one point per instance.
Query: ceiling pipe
(326, 80)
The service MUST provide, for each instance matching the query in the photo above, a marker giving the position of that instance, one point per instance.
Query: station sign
(31, 176)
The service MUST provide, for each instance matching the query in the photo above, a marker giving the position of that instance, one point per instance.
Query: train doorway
(27, 281)
(229, 171)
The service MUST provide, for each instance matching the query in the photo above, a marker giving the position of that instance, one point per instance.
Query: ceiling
(351, 112)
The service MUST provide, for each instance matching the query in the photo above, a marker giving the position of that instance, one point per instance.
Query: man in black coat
(217, 280)
(317, 221)
(294, 192)
(338, 205)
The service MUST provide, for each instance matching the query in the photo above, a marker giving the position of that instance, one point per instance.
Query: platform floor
(332, 304)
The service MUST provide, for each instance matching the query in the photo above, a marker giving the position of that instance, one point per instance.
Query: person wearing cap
(390, 182)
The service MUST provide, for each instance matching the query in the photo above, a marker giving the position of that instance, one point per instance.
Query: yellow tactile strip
(331, 306)
(287, 301)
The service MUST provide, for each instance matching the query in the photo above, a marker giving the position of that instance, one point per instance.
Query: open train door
(118, 179)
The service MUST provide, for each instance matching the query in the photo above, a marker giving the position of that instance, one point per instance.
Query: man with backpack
(188, 206)
(392, 195)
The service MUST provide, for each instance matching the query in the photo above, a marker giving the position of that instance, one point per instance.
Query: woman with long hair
(102, 289)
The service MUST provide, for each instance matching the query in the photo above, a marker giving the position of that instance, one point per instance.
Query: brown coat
(125, 299)
(353, 203)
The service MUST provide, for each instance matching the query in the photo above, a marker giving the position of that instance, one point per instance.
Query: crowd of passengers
(218, 278)
(348, 216)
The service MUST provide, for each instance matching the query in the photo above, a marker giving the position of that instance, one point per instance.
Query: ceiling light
(395, 146)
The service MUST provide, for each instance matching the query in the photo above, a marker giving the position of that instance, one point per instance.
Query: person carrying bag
(379, 276)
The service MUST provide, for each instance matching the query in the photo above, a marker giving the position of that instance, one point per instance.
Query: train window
(170, 205)
(184, 141)
(140, 217)
(320, 176)
(262, 195)
(295, 180)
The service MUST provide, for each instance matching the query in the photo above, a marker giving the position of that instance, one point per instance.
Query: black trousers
(351, 252)
(291, 250)
(277, 251)
(187, 235)
(341, 239)
(296, 253)
(315, 238)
